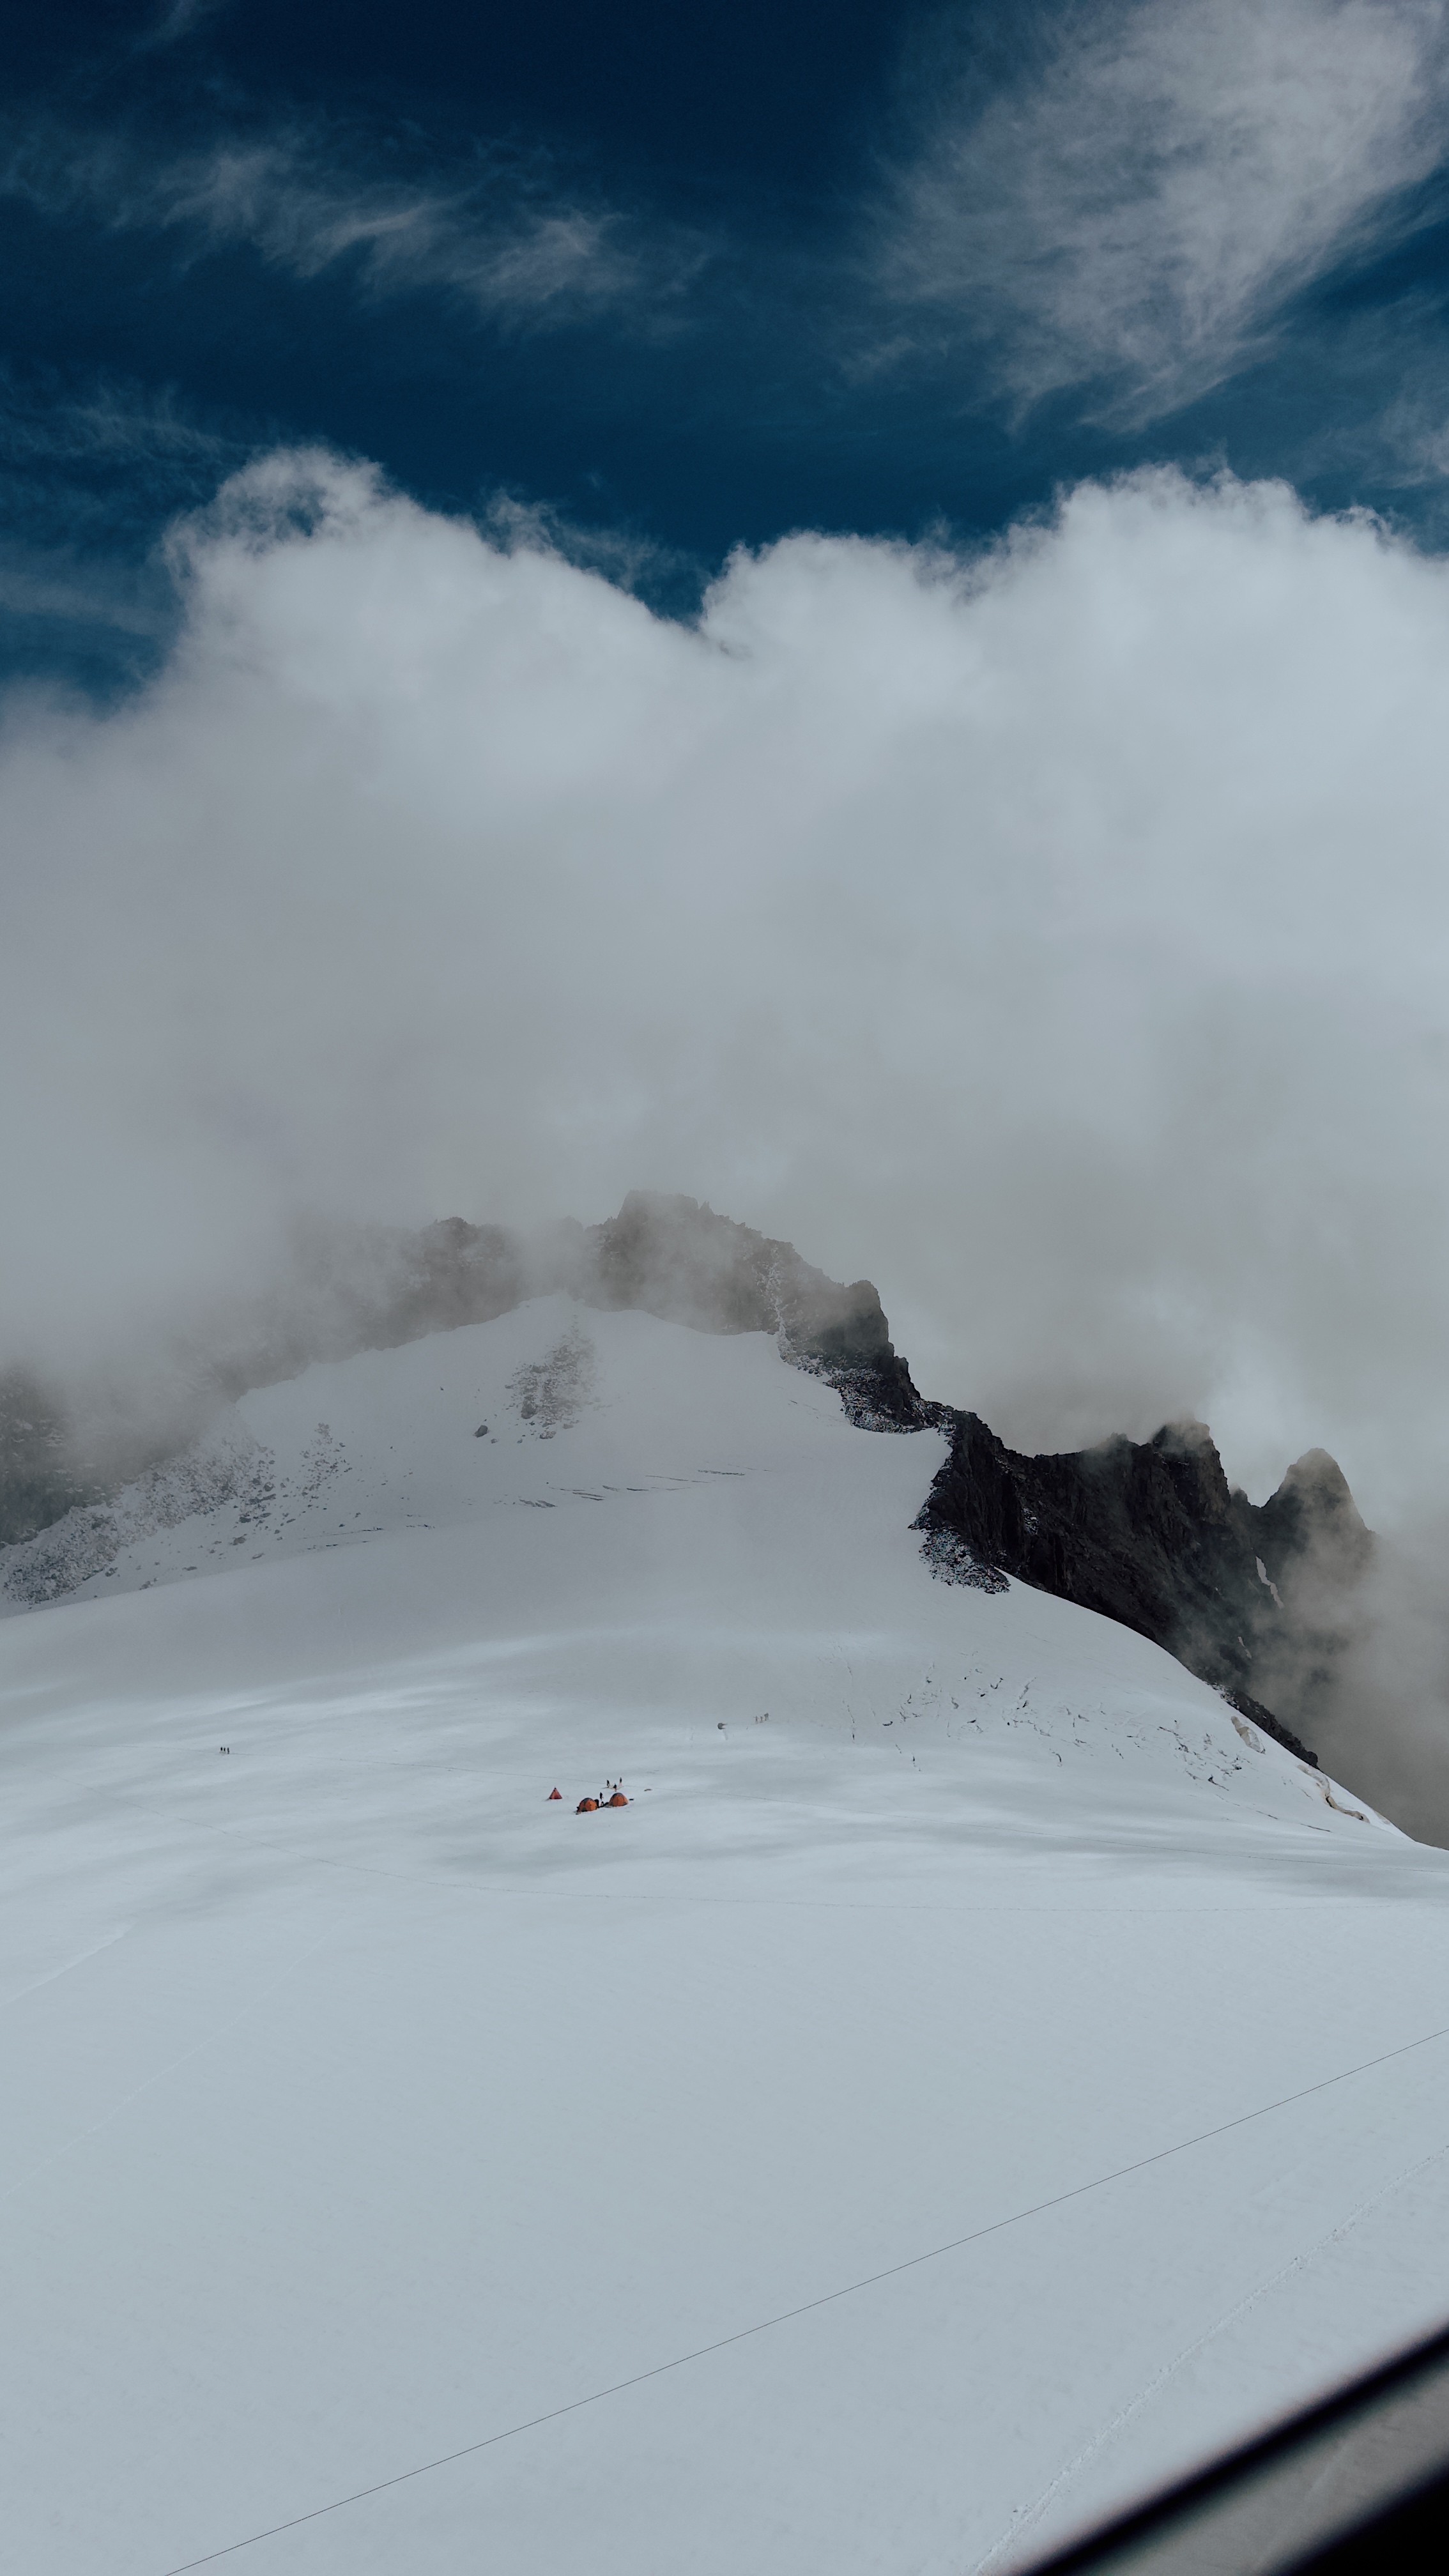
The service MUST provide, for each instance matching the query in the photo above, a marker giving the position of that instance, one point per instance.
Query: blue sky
(690, 278)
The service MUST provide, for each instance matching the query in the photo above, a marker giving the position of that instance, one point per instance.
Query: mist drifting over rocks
(73, 1439)
(1056, 936)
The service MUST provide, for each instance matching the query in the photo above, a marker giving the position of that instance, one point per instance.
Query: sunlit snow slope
(969, 2076)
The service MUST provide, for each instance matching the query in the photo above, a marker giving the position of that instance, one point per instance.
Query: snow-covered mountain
(438, 1431)
(363, 1289)
(975, 2070)
(1149, 1533)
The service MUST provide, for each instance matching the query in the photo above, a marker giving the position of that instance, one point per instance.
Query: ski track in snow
(974, 2075)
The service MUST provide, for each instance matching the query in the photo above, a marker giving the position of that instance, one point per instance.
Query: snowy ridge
(976, 2071)
(556, 1405)
(1148, 1533)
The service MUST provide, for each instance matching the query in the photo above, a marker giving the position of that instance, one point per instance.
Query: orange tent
(587, 1807)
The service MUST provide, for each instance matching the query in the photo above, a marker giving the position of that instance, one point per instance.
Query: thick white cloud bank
(1060, 939)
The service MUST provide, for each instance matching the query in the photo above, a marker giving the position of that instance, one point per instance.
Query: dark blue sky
(686, 278)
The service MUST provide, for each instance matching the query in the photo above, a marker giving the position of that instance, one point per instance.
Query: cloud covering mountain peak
(1056, 935)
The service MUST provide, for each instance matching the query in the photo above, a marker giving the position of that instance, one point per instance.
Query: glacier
(976, 2072)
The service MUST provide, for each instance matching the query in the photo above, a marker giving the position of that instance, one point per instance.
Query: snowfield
(974, 2073)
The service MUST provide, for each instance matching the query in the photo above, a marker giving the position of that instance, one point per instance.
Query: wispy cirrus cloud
(499, 231)
(1130, 211)
(112, 421)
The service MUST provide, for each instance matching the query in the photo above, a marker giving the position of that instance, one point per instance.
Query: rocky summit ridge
(1149, 1533)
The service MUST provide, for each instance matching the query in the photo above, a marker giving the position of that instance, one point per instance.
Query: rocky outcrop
(1151, 1534)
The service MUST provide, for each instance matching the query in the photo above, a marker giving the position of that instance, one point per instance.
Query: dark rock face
(1150, 1534)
